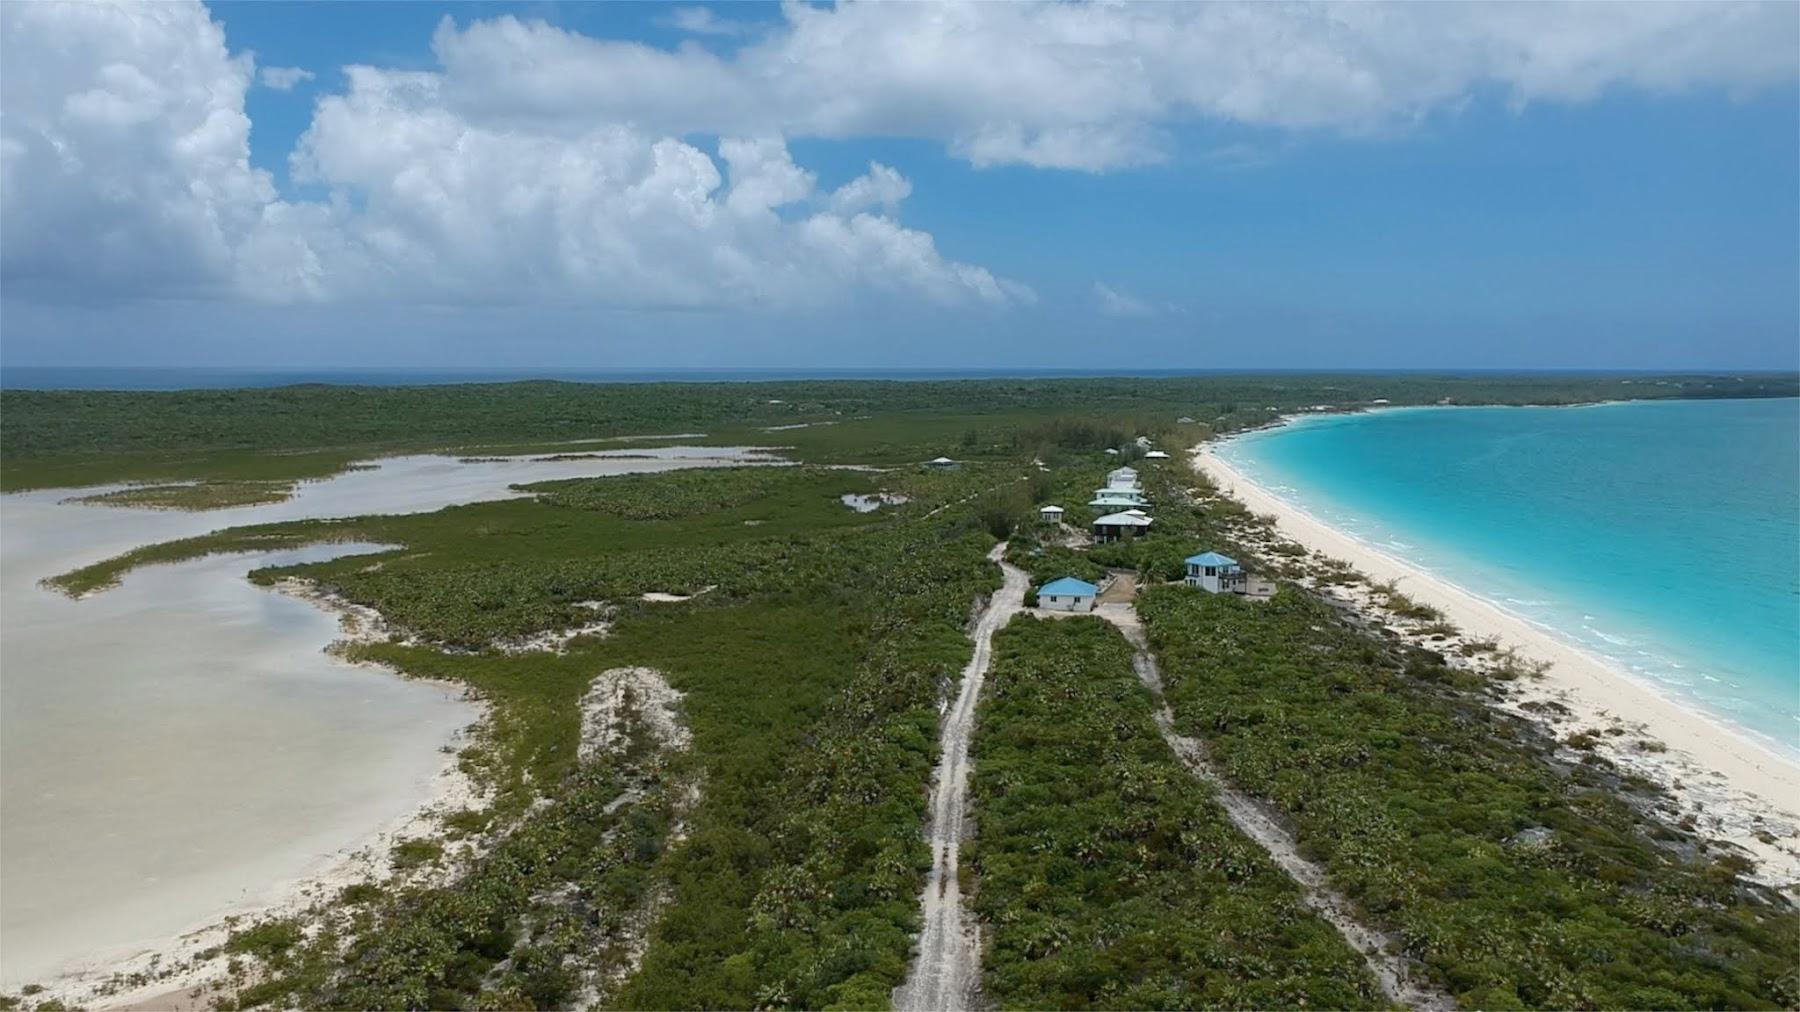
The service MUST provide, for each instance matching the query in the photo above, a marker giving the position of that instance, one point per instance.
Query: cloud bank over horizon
(536, 165)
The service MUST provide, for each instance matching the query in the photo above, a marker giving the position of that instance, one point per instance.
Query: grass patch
(194, 496)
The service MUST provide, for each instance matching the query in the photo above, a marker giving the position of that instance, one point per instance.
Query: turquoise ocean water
(1663, 536)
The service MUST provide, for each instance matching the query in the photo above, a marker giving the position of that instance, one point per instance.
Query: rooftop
(1068, 586)
(1211, 559)
(1135, 518)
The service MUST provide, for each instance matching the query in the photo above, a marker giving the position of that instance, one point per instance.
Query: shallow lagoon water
(179, 747)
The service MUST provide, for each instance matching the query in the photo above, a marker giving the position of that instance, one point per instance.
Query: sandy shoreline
(246, 816)
(182, 971)
(1735, 788)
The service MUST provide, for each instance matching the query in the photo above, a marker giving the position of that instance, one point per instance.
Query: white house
(1122, 477)
(1051, 514)
(1124, 486)
(1067, 594)
(1216, 574)
(1117, 526)
(941, 463)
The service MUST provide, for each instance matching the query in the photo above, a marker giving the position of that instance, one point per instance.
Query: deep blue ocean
(1664, 536)
(88, 377)
(205, 378)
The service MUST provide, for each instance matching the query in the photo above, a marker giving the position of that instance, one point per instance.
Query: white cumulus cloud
(1112, 301)
(124, 151)
(1098, 86)
(283, 78)
(536, 163)
(702, 21)
(126, 172)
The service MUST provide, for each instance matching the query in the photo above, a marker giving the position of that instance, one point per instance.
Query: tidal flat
(180, 747)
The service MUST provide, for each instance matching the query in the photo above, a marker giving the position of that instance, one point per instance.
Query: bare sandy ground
(1734, 788)
(619, 699)
(645, 693)
(947, 973)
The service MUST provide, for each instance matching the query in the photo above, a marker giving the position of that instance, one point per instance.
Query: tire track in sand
(1401, 982)
(947, 972)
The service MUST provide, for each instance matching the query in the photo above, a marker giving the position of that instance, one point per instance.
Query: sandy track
(947, 973)
(1399, 981)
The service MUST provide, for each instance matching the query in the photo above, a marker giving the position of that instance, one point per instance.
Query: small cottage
(1156, 455)
(1216, 574)
(941, 464)
(1051, 514)
(1067, 594)
(1119, 526)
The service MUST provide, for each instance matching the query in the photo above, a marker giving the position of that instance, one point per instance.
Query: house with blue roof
(1067, 594)
(1216, 574)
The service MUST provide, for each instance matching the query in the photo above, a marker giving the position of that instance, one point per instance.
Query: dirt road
(1399, 981)
(947, 972)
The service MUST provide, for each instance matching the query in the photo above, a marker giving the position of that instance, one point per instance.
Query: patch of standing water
(180, 747)
(871, 503)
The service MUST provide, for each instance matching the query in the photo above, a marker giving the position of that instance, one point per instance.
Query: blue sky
(636, 185)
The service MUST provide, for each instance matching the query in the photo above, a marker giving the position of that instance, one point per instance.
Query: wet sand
(179, 748)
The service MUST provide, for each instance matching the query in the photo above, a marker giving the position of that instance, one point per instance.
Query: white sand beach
(1735, 788)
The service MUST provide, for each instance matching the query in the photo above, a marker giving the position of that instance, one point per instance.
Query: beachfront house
(1216, 574)
(1122, 477)
(1120, 526)
(941, 464)
(1113, 499)
(1051, 514)
(1067, 594)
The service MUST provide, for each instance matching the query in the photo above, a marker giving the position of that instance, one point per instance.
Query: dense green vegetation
(1107, 875)
(776, 863)
(201, 495)
(60, 438)
(811, 676)
(1429, 809)
(681, 494)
